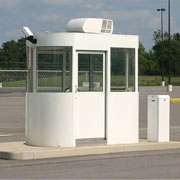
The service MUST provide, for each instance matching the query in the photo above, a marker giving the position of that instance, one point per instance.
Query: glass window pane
(98, 72)
(132, 69)
(30, 70)
(122, 69)
(54, 69)
(68, 75)
(90, 72)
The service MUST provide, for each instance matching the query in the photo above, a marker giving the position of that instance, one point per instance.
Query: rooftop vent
(90, 25)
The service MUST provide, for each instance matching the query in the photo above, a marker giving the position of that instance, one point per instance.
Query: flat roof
(88, 41)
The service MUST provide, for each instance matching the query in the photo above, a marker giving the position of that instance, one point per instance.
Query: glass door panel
(90, 72)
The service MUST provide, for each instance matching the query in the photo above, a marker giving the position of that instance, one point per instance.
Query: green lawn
(21, 83)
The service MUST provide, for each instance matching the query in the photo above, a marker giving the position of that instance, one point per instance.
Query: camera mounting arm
(31, 39)
(29, 35)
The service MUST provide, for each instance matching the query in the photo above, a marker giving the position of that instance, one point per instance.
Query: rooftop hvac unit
(90, 25)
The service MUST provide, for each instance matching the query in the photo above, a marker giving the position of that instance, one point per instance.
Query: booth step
(91, 142)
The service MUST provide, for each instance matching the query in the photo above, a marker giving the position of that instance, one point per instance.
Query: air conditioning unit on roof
(90, 25)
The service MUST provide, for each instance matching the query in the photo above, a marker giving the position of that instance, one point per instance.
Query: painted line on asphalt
(172, 127)
(8, 135)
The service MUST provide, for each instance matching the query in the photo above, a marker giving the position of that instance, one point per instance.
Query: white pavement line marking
(172, 127)
(7, 135)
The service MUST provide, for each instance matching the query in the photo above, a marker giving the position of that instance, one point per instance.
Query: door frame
(104, 53)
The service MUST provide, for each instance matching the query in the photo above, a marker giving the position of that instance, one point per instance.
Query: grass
(149, 80)
(156, 81)
(21, 83)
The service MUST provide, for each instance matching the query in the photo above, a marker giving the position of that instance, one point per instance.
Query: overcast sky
(137, 17)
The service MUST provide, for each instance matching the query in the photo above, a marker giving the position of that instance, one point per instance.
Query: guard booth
(82, 84)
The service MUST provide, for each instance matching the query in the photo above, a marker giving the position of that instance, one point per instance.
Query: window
(90, 72)
(54, 69)
(122, 69)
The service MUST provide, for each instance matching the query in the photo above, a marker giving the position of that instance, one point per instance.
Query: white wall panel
(123, 118)
(90, 120)
(50, 119)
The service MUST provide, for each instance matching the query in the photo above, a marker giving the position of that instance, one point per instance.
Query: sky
(135, 17)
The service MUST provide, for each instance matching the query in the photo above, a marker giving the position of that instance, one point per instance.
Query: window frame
(70, 68)
(129, 89)
(103, 64)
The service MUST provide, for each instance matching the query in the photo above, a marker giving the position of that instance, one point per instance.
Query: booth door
(91, 95)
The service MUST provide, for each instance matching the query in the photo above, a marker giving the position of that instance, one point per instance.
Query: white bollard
(158, 118)
(169, 88)
(0, 85)
(162, 83)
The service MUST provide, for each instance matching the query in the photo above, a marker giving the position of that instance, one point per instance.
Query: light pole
(169, 47)
(162, 38)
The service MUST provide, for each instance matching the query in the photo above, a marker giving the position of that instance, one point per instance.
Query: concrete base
(20, 151)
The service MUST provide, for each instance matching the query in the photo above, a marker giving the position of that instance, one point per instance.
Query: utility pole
(169, 47)
(162, 38)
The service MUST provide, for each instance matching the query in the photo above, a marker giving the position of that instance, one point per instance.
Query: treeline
(13, 55)
(150, 63)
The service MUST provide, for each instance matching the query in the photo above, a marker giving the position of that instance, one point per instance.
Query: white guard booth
(82, 84)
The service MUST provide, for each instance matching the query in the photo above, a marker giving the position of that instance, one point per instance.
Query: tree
(157, 36)
(147, 63)
(161, 52)
(13, 55)
(176, 36)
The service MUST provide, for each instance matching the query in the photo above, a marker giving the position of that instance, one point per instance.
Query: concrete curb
(20, 151)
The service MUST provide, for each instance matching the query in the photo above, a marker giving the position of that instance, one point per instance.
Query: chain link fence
(96, 80)
(13, 82)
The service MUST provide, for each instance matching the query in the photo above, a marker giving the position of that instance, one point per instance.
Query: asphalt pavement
(135, 165)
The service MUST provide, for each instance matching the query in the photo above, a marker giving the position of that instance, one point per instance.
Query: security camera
(27, 32)
(29, 35)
